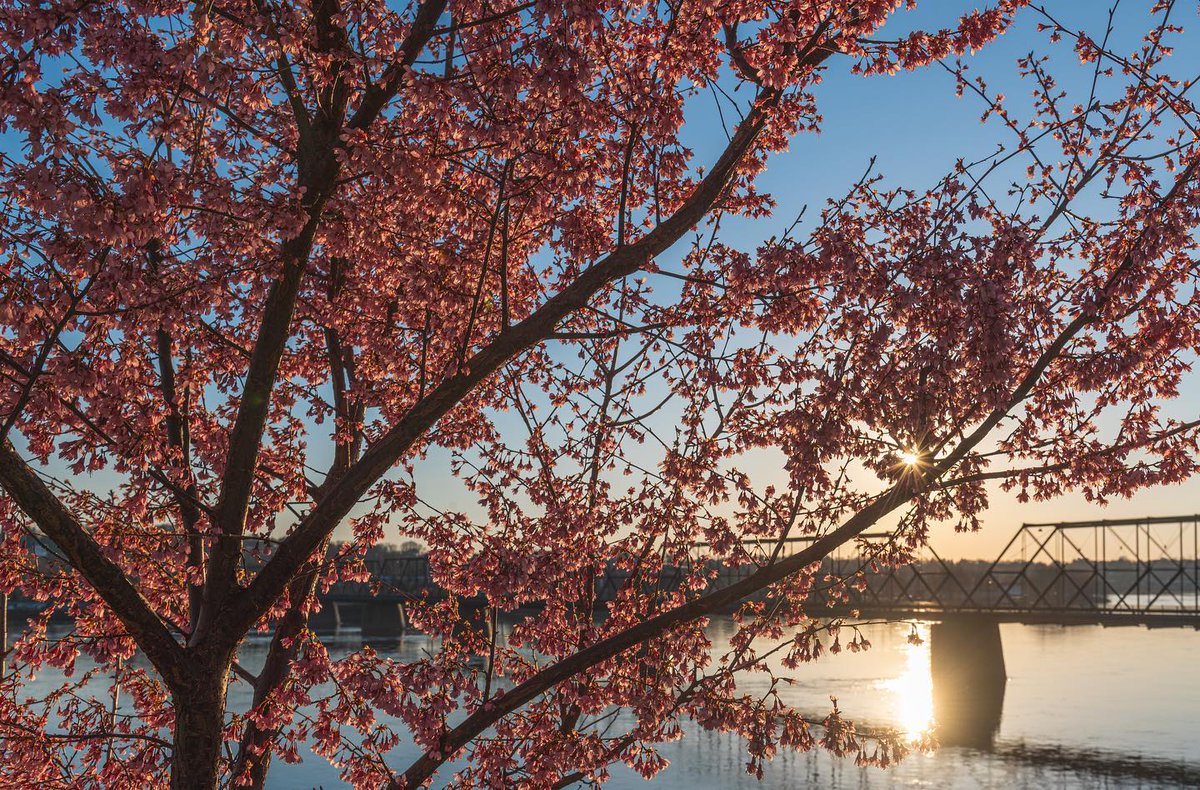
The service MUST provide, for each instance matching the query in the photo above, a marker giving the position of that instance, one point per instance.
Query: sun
(910, 458)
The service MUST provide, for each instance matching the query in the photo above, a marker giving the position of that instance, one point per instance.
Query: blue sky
(915, 127)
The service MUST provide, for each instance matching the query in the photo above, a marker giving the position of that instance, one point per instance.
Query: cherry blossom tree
(264, 263)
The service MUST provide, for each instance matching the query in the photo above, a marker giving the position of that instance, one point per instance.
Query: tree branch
(909, 485)
(376, 461)
(109, 581)
(376, 97)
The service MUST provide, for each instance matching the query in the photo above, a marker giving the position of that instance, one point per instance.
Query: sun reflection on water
(912, 690)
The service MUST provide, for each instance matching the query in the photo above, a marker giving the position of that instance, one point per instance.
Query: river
(1084, 707)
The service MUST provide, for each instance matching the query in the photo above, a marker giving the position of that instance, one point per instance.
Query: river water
(1084, 707)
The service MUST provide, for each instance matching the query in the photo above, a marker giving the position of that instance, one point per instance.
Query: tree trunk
(199, 724)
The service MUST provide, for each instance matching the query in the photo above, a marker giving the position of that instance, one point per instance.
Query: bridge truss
(1142, 571)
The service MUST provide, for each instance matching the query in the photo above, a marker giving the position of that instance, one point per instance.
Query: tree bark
(199, 726)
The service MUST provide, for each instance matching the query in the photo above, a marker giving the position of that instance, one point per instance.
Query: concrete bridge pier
(328, 618)
(966, 660)
(384, 619)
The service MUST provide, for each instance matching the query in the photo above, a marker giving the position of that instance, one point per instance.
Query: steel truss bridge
(1143, 571)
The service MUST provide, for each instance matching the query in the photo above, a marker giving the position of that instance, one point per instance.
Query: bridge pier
(966, 660)
(384, 619)
(327, 618)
